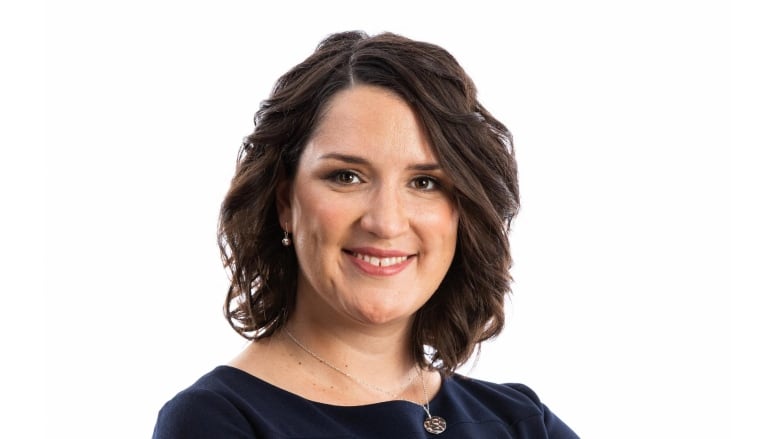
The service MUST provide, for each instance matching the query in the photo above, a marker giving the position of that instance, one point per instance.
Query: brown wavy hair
(474, 149)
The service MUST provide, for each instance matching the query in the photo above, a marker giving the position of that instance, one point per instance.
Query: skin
(375, 230)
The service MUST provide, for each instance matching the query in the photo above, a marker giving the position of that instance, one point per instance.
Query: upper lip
(378, 252)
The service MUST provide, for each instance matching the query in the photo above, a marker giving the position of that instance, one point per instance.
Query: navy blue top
(230, 403)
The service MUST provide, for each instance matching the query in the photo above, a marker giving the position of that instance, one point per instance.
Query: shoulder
(514, 395)
(507, 401)
(512, 404)
(209, 408)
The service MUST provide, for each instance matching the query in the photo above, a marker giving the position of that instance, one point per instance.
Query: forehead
(372, 119)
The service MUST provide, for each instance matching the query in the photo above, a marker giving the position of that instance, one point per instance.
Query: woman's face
(369, 210)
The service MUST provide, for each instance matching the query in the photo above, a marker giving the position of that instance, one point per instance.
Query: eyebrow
(357, 160)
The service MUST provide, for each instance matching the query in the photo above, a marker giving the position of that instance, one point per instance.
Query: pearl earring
(286, 241)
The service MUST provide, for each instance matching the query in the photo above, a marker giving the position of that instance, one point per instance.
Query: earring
(286, 241)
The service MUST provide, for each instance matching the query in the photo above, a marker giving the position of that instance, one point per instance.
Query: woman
(366, 234)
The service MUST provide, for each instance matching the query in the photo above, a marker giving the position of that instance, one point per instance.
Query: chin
(381, 316)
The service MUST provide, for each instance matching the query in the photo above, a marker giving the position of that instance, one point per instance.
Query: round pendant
(435, 424)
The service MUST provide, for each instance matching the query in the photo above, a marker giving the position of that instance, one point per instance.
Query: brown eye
(425, 183)
(344, 177)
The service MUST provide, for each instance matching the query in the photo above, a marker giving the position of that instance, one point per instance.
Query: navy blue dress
(230, 403)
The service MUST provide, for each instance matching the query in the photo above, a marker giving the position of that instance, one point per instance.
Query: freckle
(299, 363)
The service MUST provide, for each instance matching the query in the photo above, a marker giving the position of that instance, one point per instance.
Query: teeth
(381, 262)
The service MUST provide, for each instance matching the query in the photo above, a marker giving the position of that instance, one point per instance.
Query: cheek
(441, 224)
(319, 219)
(452, 237)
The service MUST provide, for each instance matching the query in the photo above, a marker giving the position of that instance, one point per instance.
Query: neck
(374, 348)
(373, 360)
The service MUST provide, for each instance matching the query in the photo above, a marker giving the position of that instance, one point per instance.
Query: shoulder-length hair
(474, 149)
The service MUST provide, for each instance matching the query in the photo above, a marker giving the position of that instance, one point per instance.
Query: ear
(283, 203)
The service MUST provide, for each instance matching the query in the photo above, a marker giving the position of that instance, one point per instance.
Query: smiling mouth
(377, 261)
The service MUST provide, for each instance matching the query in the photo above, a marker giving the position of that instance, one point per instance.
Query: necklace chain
(427, 405)
(432, 424)
(363, 383)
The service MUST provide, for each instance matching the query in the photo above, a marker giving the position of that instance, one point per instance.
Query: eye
(344, 177)
(425, 183)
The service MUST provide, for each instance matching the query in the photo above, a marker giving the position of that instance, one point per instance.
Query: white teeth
(381, 262)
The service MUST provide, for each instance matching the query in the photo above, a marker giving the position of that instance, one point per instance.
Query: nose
(385, 214)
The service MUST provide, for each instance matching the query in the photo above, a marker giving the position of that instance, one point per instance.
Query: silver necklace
(432, 424)
(365, 384)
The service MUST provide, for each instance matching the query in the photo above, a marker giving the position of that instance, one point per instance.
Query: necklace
(391, 395)
(432, 424)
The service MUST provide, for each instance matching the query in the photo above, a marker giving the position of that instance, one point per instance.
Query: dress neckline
(232, 369)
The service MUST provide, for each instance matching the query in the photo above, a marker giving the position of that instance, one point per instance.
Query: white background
(634, 314)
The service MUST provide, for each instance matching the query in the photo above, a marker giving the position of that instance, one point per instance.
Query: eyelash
(338, 176)
(431, 181)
